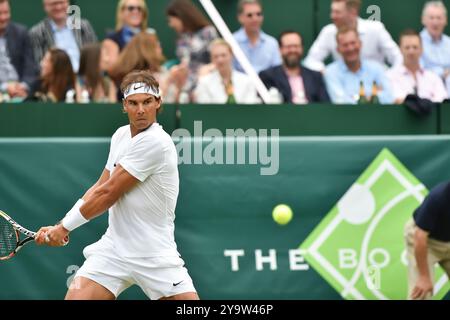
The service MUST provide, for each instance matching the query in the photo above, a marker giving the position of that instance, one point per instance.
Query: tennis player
(139, 186)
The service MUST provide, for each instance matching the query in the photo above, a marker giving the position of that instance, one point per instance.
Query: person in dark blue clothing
(427, 237)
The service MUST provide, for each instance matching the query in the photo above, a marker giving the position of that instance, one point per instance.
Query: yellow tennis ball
(282, 214)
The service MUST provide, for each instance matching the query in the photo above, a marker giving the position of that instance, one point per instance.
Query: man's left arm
(323, 95)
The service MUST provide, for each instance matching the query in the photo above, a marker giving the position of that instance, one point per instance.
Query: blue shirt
(65, 40)
(343, 85)
(436, 54)
(264, 55)
(433, 215)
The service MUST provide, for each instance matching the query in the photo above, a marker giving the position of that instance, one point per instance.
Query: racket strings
(8, 238)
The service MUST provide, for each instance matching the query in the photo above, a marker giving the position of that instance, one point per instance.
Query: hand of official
(423, 288)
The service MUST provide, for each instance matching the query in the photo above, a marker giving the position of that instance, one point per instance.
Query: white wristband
(74, 218)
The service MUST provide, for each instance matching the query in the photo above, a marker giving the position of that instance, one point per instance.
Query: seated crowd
(53, 62)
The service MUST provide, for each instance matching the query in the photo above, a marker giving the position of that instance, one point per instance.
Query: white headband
(141, 87)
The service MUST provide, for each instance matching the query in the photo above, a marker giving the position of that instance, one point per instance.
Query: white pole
(238, 53)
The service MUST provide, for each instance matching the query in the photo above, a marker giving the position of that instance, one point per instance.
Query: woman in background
(144, 52)
(57, 77)
(224, 84)
(92, 77)
(195, 33)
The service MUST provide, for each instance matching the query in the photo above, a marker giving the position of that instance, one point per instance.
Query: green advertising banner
(357, 247)
(225, 232)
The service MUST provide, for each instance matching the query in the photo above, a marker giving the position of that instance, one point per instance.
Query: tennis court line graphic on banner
(358, 248)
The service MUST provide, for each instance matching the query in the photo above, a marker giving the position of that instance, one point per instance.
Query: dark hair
(407, 33)
(62, 77)
(90, 65)
(3, 1)
(345, 30)
(136, 76)
(192, 18)
(242, 3)
(286, 32)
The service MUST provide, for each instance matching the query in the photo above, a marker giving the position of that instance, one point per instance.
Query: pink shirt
(429, 85)
(297, 89)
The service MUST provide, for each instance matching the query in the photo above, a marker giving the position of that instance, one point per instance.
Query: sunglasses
(133, 8)
(257, 14)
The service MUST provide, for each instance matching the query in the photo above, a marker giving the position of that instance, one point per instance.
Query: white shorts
(158, 277)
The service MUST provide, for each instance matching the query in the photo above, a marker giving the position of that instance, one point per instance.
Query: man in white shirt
(139, 186)
(410, 77)
(377, 43)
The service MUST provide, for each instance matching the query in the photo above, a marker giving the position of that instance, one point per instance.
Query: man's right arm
(424, 285)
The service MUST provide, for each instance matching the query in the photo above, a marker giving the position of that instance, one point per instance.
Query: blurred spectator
(92, 77)
(297, 84)
(195, 33)
(18, 70)
(351, 79)
(377, 43)
(225, 85)
(410, 77)
(57, 31)
(57, 77)
(260, 48)
(427, 243)
(144, 52)
(132, 17)
(436, 45)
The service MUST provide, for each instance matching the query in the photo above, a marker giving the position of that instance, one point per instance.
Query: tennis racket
(10, 231)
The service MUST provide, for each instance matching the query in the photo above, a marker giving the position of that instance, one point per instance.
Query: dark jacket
(21, 53)
(313, 82)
